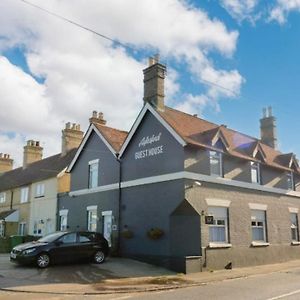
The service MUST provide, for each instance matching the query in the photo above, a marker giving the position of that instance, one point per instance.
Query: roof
(6, 213)
(43, 169)
(114, 137)
(200, 133)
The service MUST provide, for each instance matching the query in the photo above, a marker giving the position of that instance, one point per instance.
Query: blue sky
(53, 72)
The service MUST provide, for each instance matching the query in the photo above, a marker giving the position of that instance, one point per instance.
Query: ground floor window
(294, 227)
(218, 231)
(2, 229)
(92, 218)
(22, 228)
(258, 224)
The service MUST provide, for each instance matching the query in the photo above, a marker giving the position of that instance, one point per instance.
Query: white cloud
(83, 72)
(282, 8)
(241, 9)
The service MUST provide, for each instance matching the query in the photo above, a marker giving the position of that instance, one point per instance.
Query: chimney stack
(97, 118)
(32, 152)
(71, 137)
(268, 130)
(154, 81)
(6, 163)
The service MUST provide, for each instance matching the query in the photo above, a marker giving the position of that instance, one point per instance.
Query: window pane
(93, 175)
(217, 234)
(215, 163)
(258, 234)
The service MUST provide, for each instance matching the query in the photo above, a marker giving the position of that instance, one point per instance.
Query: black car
(62, 247)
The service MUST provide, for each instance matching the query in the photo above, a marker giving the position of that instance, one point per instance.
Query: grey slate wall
(108, 164)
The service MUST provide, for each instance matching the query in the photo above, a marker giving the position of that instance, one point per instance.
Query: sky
(226, 60)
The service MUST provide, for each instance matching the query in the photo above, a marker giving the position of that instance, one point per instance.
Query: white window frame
(258, 222)
(93, 169)
(24, 194)
(92, 218)
(2, 197)
(216, 212)
(255, 166)
(290, 181)
(294, 226)
(216, 155)
(40, 190)
(22, 228)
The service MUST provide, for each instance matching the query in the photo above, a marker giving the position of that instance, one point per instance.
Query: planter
(155, 233)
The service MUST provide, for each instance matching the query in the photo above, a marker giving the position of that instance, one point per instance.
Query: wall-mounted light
(194, 184)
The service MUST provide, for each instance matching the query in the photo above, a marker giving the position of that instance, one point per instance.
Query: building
(28, 195)
(186, 193)
(88, 206)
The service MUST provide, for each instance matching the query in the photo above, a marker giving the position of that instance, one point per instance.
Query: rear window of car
(86, 237)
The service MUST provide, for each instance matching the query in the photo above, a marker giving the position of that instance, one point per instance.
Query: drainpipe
(11, 199)
(119, 204)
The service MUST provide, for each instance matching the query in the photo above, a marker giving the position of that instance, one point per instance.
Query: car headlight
(27, 251)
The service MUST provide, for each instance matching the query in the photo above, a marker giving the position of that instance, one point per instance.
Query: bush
(4, 245)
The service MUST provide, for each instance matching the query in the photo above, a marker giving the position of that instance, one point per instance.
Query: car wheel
(43, 260)
(99, 257)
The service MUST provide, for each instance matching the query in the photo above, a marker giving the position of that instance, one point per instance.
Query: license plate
(13, 255)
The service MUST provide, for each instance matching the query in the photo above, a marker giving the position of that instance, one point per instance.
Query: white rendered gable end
(147, 107)
(91, 129)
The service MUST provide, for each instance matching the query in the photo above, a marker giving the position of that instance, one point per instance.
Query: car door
(85, 244)
(66, 248)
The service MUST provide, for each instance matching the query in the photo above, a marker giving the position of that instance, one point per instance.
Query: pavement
(118, 275)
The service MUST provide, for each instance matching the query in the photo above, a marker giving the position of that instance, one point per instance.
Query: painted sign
(153, 151)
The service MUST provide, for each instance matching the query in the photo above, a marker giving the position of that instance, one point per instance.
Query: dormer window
(215, 160)
(255, 172)
(290, 181)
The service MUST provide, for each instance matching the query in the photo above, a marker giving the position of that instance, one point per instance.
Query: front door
(107, 225)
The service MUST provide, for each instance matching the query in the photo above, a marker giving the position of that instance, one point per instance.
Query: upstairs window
(40, 190)
(2, 197)
(93, 173)
(218, 231)
(215, 160)
(294, 227)
(255, 172)
(290, 181)
(258, 224)
(24, 194)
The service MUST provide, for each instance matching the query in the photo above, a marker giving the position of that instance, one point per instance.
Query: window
(290, 181)
(84, 238)
(40, 190)
(215, 160)
(255, 172)
(22, 228)
(92, 218)
(2, 229)
(24, 194)
(218, 231)
(2, 197)
(294, 227)
(93, 173)
(258, 224)
(69, 238)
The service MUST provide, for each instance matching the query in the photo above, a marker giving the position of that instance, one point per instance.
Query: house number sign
(147, 141)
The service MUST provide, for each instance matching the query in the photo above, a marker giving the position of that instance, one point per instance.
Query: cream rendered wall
(43, 209)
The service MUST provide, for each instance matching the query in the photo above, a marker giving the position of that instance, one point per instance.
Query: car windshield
(51, 237)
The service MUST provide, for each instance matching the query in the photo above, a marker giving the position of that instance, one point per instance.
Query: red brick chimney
(268, 130)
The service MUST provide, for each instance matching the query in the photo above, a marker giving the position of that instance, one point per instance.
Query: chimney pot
(94, 114)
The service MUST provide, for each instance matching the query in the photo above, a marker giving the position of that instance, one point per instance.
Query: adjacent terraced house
(28, 194)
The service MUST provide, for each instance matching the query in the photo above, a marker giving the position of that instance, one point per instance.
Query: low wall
(220, 258)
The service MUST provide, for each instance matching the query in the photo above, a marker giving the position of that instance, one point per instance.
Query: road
(280, 285)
